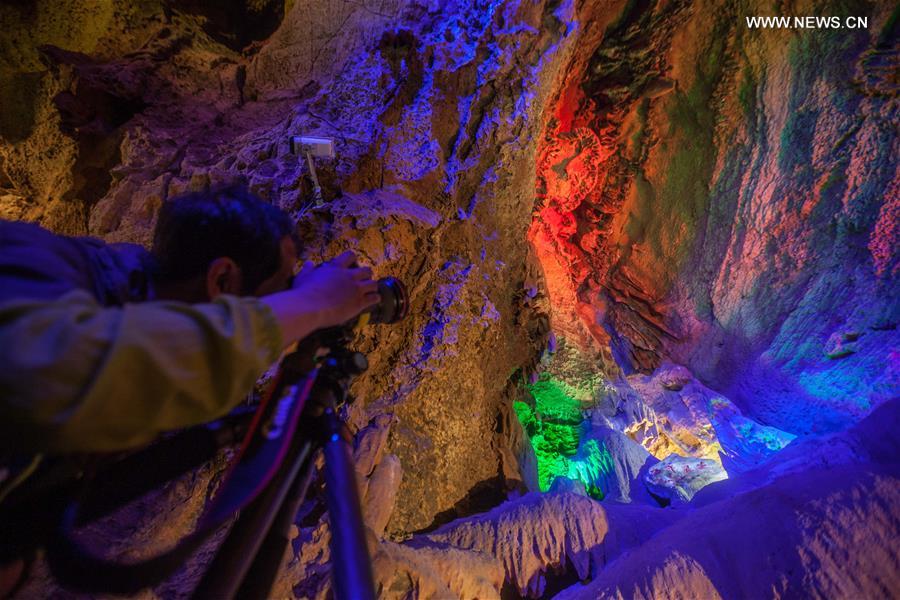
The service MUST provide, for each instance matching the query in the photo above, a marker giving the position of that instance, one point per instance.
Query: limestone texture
(613, 464)
(798, 534)
(435, 110)
(719, 195)
(670, 412)
(632, 231)
(537, 533)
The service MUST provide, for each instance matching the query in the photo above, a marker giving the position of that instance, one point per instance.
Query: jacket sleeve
(76, 376)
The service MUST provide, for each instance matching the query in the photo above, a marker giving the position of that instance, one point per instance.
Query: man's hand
(339, 287)
(324, 296)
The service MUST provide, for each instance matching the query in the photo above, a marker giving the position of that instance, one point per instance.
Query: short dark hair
(196, 228)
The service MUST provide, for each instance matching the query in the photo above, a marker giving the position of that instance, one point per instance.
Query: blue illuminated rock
(564, 485)
(611, 466)
(745, 443)
(819, 520)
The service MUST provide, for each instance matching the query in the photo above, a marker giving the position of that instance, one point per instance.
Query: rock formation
(632, 232)
(798, 534)
(708, 191)
(432, 109)
(670, 412)
(677, 479)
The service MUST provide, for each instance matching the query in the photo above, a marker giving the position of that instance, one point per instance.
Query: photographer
(103, 348)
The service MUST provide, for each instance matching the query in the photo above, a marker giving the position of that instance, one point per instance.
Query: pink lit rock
(678, 478)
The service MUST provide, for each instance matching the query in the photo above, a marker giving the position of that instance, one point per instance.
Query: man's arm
(79, 377)
(82, 377)
(323, 296)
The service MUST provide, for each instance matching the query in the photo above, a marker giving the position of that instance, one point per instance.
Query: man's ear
(223, 277)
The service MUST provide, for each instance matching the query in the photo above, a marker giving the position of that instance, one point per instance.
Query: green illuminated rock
(554, 426)
(553, 403)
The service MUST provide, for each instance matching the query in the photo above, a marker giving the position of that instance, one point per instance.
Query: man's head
(224, 241)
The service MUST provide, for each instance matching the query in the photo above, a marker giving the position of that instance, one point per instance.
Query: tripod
(248, 561)
(266, 484)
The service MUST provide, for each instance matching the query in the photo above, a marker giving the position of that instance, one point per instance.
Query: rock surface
(806, 543)
(670, 412)
(725, 197)
(744, 442)
(792, 527)
(611, 462)
(523, 545)
(655, 183)
(666, 412)
(435, 110)
(788, 527)
(677, 478)
(540, 533)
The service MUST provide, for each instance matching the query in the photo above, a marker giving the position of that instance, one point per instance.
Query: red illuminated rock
(740, 214)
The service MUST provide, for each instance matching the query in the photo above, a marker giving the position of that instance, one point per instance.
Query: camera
(393, 307)
(394, 303)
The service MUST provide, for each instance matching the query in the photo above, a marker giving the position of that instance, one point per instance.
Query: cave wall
(705, 193)
(650, 179)
(435, 109)
(726, 198)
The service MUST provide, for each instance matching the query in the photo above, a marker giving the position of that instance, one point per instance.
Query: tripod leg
(261, 575)
(235, 556)
(351, 565)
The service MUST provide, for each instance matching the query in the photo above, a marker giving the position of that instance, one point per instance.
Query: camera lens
(394, 302)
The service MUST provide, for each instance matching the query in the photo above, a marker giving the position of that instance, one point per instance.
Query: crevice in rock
(235, 25)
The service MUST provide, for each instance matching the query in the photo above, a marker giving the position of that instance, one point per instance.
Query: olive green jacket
(81, 372)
